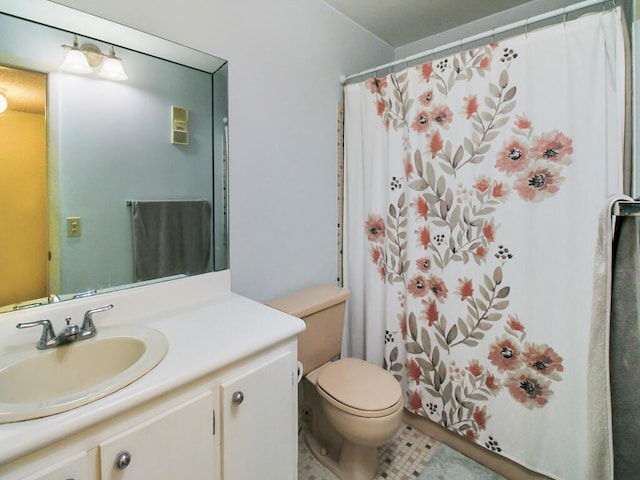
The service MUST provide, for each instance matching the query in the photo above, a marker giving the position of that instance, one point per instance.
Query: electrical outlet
(74, 226)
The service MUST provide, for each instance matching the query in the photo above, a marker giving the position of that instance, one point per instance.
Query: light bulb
(75, 61)
(3, 102)
(112, 69)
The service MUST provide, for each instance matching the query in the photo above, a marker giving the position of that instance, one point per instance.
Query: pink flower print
(470, 435)
(426, 98)
(474, 368)
(553, 146)
(402, 321)
(543, 359)
(504, 353)
(465, 288)
(421, 122)
(489, 231)
(482, 184)
(415, 402)
(375, 228)
(493, 384)
(424, 237)
(437, 286)
(435, 143)
(528, 389)
(426, 70)
(375, 85)
(380, 107)
(382, 270)
(515, 324)
(423, 264)
(499, 191)
(522, 122)
(442, 115)
(418, 286)
(421, 206)
(512, 158)
(538, 182)
(485, 63)
(480, 417)
(471, 106)
(431, 312)
(415, 372)
(481, 252)
(408, 167)
(376, 254)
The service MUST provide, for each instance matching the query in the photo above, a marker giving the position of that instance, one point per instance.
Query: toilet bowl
(355, 406)
(363, 404)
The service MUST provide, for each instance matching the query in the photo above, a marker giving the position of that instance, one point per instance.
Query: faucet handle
(48, 337)
(88, 328)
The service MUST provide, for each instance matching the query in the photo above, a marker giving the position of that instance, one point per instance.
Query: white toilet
(355, 406)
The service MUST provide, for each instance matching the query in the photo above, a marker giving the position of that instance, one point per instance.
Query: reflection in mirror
(83, 156)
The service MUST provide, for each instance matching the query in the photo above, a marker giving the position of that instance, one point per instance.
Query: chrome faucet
(71, 333)
(88, 329)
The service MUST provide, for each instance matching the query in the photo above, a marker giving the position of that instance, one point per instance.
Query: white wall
(284, 60)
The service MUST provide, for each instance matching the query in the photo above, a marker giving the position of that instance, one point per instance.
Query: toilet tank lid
(311, 300)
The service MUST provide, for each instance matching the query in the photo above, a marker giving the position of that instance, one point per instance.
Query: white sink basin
(38, 383)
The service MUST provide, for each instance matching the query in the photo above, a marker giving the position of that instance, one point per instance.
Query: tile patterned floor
(403, 458)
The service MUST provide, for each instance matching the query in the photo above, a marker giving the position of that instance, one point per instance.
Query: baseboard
(505, 467)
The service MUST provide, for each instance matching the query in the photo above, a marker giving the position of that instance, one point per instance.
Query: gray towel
(171, 238)
(599, 421)
(624, 352)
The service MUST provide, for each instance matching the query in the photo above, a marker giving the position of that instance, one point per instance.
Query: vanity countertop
(203, 338)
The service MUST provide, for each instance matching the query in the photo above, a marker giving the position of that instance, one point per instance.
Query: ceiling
(399, 22)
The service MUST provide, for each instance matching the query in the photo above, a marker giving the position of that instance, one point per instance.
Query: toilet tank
(322, 309)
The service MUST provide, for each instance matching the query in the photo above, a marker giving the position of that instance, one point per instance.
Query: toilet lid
(359, 385)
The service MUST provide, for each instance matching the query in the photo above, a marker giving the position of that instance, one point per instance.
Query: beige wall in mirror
(96, 192)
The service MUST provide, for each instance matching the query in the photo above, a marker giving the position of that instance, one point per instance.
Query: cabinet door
(179, 444)
(76, 467)
(259, 423)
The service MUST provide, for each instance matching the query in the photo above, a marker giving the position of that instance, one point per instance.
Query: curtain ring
(564, 16)
(526, 28)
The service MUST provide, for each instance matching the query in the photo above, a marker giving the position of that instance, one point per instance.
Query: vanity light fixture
(112, 68)
(84, 58)
(3, 100)
(75, 60)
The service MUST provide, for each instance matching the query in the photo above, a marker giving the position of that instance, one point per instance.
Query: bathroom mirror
(78, 149)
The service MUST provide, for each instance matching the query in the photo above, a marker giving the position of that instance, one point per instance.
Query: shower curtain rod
(473, 38)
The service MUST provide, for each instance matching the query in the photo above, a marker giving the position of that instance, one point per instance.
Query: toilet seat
(359, 388)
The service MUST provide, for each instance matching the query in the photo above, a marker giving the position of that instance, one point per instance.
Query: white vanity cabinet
(259, 423)
(178, 443)
(75, 467)
(237, 423)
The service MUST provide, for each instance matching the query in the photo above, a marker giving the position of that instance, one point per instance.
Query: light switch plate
(74, 226)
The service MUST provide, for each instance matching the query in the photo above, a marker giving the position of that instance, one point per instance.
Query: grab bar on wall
(626, 209)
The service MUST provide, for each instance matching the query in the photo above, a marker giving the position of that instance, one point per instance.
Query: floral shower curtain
(473, 187)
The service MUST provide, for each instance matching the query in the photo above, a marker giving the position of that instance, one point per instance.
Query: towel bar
(626, 209)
